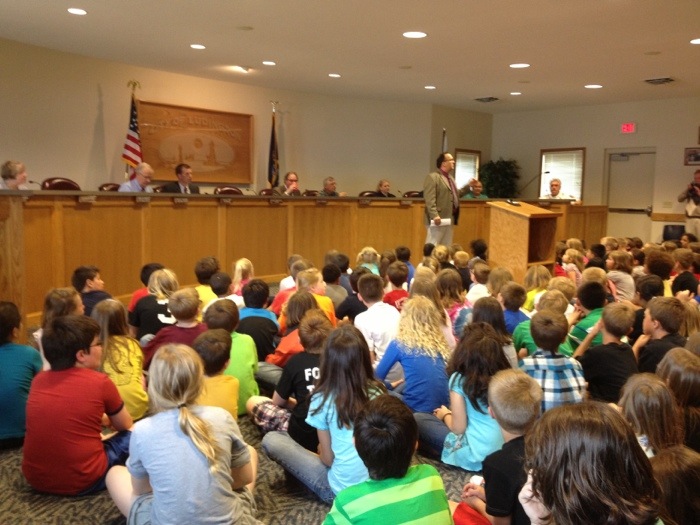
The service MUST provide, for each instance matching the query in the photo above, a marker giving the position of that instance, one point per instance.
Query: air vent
(486, 99)
(659, 81)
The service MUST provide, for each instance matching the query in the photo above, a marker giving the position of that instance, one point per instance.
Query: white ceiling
(470, 43)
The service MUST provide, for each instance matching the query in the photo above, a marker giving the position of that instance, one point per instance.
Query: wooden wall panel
(258, 232)
(318, 228)
(179, 235)
(106, 235)
(45, 235)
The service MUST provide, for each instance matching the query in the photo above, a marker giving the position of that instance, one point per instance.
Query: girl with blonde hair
(151, 312)
(421, 349)
(573, 265)
(369, 258)
(535, 281)
(122, 358)
(243, 272)
(187, 463)
(428, 288)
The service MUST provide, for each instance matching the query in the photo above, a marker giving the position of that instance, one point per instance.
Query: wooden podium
(520, 236)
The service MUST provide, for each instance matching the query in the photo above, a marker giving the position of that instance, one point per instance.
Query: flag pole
(273, 166)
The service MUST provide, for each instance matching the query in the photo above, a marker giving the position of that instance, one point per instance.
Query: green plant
(500, 178)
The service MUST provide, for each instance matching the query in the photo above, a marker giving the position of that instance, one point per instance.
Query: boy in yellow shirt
(214, 347)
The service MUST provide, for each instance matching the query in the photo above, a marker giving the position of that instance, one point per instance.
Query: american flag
(273, 165)
(132, 146)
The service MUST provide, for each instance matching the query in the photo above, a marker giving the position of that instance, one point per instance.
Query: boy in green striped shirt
(386, 436)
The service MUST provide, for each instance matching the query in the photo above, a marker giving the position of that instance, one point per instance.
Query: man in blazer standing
(441, 201)
(183, 172)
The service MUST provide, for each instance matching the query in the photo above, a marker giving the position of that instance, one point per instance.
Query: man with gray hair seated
(14, 176)
(555, 191)
(329, 189)
(141, 181)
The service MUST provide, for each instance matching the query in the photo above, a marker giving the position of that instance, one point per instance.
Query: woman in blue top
(422, 350)
(466, 434)
(345, 386)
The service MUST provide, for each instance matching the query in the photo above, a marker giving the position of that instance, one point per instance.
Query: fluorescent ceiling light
(334, 75)
(593, 86)
(197, 46)
(269, 63)
(240, 69)
(519, 66)
(430, 87)
(415, 34)
(515, 93)
(695, 41)
(77, 11)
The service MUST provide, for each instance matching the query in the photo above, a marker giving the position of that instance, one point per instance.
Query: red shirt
(396, 298)
(63, 451)
(171, 334)
(287, 347)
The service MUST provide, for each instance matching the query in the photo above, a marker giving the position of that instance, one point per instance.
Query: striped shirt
(417, 498)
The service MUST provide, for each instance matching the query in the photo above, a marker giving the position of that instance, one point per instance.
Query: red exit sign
(628, 127)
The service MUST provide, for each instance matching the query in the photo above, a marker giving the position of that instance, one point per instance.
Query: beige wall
(67, 115)
(668, 126)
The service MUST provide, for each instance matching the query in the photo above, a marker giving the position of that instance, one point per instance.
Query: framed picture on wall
(692, 157)
(216, 144)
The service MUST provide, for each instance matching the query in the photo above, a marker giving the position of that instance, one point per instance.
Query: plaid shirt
(560, 377)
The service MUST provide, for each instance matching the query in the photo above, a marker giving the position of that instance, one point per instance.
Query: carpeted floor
(281, 500)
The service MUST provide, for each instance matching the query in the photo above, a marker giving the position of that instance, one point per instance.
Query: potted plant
(500, 178)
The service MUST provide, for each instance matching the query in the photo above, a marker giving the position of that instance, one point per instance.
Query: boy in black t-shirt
(288, 408)
(515, 401)
(607, 367)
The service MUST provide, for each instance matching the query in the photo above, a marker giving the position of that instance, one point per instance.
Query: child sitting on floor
(514, 401)
(243, 361)
(397, 275)
(219, 390)
(18, 366)
(386, 436)
(64, 452)
(663, 318)
(289, 406)
(184, 305)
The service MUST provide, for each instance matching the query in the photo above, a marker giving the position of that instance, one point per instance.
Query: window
(565, 165)
(466, 166)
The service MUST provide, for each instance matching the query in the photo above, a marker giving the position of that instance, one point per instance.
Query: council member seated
(143, 173)
(14, 176)
(290, 186)
(474, 190)
(183, 172)
(329, 189)
(383, 189)
(555, 191)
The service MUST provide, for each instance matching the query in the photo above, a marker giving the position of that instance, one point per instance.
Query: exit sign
(628, 127)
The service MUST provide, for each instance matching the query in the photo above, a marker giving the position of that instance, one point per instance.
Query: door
(630, 193)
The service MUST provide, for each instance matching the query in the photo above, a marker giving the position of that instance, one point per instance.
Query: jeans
(306, 466)
(431, 434)
(117, 450)
(267, 377)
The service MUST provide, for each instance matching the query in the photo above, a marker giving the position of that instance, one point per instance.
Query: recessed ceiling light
(415, 34)
(77, 11)
(523, 81)
(695, 41)
(240, 69)
(334, 75)
(269, 63)
(197, 46)
(405, 67)
(430, 87)
(245, 28)
(593, 86)
(515, 93)
(519, 66)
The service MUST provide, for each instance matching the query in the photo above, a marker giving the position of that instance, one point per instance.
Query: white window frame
(566, 164)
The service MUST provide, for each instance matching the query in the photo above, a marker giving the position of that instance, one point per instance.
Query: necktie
(187, 189)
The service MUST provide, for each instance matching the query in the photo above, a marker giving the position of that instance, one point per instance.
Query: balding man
(143, 173)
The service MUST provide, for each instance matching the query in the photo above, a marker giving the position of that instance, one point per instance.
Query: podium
(522, 235)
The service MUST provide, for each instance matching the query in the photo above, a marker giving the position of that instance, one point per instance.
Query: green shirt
(243, 365)
(418, 498)
(522, 338)
(580, 330)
